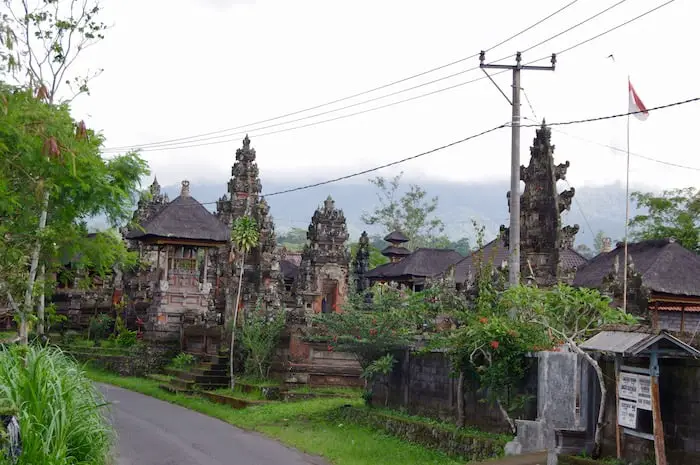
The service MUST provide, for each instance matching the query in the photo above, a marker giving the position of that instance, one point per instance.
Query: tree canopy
(675, 213)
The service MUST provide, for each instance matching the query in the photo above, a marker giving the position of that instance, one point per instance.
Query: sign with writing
(627, 414)
(628, 386)
(644, 392)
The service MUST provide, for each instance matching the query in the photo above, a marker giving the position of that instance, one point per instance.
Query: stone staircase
(211, 372)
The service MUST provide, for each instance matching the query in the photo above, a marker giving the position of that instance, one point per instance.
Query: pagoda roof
(423, 262)
(396, 236)
(183, 219)
(393, 251)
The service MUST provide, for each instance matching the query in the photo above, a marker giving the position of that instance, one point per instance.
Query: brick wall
(425, 385)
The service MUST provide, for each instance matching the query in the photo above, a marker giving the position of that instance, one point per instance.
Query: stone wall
(138, 361)
(424, 385)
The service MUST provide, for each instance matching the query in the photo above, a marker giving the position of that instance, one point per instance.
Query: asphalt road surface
(153, 432)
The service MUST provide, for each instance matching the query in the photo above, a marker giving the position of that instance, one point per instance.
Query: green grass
(59, 409)
(305, 425)
(7, 335)
(336, 391)
(253, 395)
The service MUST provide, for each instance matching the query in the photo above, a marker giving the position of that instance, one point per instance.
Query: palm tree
(244, 236)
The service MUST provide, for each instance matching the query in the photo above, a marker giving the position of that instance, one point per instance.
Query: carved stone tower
(262, 280)
(541, 234)
(361, 264)
(323, 273)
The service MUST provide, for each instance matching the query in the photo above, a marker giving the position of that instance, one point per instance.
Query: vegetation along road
(154, 432)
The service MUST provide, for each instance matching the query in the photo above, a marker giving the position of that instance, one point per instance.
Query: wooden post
(618, 428)
(682, 318)
(659, 443)
(206, 267)
(167, 264)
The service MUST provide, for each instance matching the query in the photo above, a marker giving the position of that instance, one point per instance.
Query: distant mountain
(593, 209)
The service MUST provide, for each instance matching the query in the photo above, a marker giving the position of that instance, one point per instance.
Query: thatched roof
(183, 218)
(397, 237)
(289, 269)
(664, 265)
(391, 251)
(421, 263)
(496, 252)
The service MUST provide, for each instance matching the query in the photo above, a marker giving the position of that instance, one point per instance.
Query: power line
(190, 138)
(618, 115)
(403, 160)
(194, 145)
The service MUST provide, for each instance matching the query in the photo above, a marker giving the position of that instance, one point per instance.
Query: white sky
(177, 68)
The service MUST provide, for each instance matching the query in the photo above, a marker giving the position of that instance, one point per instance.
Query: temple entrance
(329, 300)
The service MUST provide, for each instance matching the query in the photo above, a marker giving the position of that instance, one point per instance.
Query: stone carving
(361, 265)
(541, 234)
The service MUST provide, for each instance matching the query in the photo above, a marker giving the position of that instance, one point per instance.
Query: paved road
(153, 432)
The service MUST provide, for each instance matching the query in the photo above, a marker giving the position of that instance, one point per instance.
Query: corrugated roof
(636, 343)
(665, 266)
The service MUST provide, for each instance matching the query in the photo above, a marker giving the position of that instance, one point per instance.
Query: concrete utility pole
(514, 232)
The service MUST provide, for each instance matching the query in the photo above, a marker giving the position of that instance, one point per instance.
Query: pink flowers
(494, 345)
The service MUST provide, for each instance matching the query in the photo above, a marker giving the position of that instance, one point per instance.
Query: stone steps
(210, 373)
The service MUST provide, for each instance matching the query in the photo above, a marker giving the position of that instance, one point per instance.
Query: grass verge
(306, 425)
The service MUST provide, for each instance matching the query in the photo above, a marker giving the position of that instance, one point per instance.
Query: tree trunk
(460, 399)
(40, 313)
(598, 437)
(235, 318)
(27, 307)
(507, 417)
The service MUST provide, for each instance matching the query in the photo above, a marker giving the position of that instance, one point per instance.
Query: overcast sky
(179, 68)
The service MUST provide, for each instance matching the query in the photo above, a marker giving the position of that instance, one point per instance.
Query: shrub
(101, 326)
(126, 338)
(60, 415)
(183, 360)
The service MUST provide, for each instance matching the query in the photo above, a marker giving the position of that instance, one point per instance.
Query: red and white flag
(636, 104)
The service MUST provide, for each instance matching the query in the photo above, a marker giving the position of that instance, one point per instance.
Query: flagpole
(627, 210)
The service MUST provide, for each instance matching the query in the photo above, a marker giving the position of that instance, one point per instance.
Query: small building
(663, 282)
(413, 269)
(184, 233)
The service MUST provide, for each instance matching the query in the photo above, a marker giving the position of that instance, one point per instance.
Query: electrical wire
(437, 149)
(193, 145)
(503, 42)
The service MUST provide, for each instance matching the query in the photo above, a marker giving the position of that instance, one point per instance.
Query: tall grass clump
(59, 408)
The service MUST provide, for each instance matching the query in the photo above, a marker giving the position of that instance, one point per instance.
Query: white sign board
(627, 414)
(628, 387)
(644, 392)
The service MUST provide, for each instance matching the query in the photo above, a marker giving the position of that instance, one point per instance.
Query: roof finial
(185, 192)
(246, 142)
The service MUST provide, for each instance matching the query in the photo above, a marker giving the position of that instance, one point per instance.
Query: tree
(375, 255)
(38, 46)
(294, 239)
(599, 242)
(462, 246)
(259, 337)
(244, 236)
(412, 213)
(585, 251)
(45, 153)
(675, 213)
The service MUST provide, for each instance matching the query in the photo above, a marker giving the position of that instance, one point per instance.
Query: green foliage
(674, 214)
(182, 361)
(380, 367)
(60, 409)
(294, 239)
(42, 40)
(101, 326)
(259, 337)
(371, 331)
(412, 213)
(375, 255)
(245, 233)
(43, 151)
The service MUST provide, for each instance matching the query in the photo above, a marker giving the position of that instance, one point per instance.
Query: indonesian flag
(636, 104)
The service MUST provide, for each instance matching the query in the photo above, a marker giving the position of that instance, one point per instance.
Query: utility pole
(514, 231)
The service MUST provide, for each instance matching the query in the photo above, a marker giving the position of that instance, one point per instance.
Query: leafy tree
(244, 236)
(674, 213)
(259, 337)
(598, 242)
(294, 239)
(375, 255)
(45, 154)
(463, 246)
(412, 213)
(585, 251)
(38, 45)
